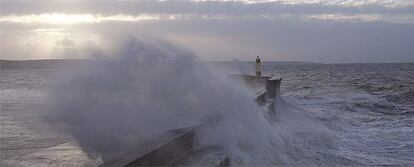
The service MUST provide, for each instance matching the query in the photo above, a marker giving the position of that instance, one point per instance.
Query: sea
(369, 107)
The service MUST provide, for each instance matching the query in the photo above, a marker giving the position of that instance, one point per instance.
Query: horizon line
(212, 61)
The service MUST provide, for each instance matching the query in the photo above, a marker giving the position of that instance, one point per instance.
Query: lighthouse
(258, 67)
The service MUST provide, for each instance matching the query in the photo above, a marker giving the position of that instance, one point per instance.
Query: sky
(327, 31)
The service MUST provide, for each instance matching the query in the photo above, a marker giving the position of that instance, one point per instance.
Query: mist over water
(116, 102)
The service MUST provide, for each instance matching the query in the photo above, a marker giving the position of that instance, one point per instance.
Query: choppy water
(370, 107)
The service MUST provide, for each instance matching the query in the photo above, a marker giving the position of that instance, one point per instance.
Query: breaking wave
(145, 88)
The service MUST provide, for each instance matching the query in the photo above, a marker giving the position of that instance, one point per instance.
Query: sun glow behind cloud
(67, 19)
(54, 18)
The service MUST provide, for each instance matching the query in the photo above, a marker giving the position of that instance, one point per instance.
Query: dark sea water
(369, 107)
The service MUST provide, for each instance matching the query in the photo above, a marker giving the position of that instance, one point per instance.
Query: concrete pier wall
(168, 153)
(175, 148)
(162, 151)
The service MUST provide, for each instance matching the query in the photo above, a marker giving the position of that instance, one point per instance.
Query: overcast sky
(338, 31)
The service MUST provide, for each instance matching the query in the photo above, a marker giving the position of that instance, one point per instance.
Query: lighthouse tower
(258, 67)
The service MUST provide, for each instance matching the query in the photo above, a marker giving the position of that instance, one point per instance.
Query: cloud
(70, 19)
(93, 11)
(320, 31)
(96, 11)
(114, 7)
